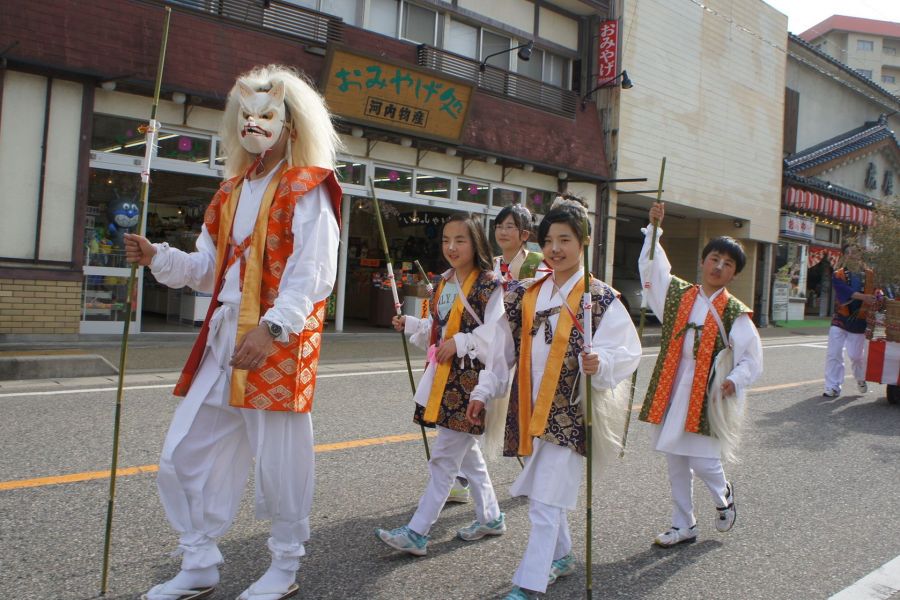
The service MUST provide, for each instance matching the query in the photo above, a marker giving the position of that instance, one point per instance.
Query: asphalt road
(818, 494)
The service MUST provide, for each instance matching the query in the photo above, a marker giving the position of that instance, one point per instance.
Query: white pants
(453, 452)
(205, 461)
(681, 477)
(549, 540)
(838, 339)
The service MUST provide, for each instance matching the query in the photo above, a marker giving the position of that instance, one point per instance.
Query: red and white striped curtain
(817, 254)
(799, 199)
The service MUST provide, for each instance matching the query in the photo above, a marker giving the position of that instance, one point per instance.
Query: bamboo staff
(587, 304)
(659, 189)
(150, 143)
(398, 308)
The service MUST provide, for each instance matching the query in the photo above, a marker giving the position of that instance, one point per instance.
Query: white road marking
(880, 584)
(320, 376)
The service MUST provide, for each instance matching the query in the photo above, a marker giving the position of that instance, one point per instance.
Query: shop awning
(799, 199)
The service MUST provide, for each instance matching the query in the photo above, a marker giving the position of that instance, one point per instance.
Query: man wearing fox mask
(267, 254)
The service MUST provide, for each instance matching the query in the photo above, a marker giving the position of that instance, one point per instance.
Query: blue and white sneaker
(404, 539)
(561, 567)
(517, 593)
(476, 530)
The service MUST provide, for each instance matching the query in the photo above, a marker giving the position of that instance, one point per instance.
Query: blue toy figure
(123, 215)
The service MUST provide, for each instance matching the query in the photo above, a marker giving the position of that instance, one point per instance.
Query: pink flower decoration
(394, 176)
(185, 144)
(473, 189)
(537, 199)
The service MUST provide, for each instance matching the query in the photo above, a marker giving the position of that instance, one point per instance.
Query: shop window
(433, 185)
(539, 201)
(220, 153)
(112, 210)
(828, 234)
(390, 178)
(419, 24)
(351, 172)
(181, 146)
(504, 197)
(470, 191)
(105, 298)
(120, 135)
(383, 16)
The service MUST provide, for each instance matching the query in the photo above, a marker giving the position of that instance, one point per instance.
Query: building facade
(870, 47)
(841, 164)
(708, 95)
(433, 101)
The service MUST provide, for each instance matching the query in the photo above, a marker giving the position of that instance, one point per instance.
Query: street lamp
(524, 53)
(626, 85)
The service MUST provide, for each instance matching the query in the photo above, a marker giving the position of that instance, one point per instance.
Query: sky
(803, 14)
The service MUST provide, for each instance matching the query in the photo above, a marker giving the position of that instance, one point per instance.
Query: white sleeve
(312, 267)
(478, 342)
(177, 268)
(617, 343)
(656, 274)
(493, 380)
(419, 331)
(748, 354)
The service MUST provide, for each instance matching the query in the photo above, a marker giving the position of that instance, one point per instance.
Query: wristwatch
(274, 329)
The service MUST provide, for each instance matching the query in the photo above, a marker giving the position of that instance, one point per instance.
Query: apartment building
(77, 79)
(869, 46)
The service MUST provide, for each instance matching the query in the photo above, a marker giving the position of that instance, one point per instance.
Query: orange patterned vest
(287, 380)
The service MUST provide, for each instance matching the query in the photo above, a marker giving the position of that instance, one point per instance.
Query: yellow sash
(248, 316)
(442, 370)
(533, 423)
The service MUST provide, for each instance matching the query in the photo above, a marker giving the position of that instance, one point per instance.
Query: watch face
(274, 329)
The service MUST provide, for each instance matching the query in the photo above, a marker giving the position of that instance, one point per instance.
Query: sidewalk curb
(54, 366)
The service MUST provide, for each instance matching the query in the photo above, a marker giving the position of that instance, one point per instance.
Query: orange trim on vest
(708, 336)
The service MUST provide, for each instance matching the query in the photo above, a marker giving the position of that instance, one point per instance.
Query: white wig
(316, 140)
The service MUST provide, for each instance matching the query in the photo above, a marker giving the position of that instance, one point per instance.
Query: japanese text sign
(396, 97)
(607, 50)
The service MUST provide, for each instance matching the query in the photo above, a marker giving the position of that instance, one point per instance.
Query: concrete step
(53, 366)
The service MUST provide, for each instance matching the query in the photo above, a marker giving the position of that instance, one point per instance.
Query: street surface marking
(880, 584)
(89, 475)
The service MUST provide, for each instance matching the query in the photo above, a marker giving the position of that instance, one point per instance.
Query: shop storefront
(183, 182)
(812, 229)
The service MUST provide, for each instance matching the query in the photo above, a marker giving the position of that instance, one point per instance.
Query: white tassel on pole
(150, 137)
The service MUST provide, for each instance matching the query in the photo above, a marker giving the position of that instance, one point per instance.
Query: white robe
(552, 474)
(200, 488)
(670, 436)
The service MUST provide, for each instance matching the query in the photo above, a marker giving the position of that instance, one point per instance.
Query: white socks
(274, 583)
(186, 580)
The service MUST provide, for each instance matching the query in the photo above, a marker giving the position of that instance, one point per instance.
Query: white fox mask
(261, 117)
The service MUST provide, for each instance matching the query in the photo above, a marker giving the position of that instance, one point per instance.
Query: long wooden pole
(586, 306)
(398, 308)
(643, 319)
(151, 136)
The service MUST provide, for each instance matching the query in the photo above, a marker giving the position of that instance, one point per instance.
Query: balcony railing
(275, 15)
(500, 82)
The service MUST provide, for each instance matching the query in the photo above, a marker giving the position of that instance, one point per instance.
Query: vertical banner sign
(607, 50)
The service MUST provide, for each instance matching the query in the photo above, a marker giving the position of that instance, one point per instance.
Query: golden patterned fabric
(286, 381)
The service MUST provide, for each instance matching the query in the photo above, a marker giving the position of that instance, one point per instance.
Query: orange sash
(442, 370)
(533, 422)
(703, 361)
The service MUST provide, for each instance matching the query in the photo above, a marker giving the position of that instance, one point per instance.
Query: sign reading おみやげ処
(397, 97)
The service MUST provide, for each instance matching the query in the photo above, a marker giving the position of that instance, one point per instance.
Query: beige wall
(37, 306)
(710, 97)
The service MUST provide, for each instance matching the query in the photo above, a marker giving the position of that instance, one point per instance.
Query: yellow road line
(89, 475)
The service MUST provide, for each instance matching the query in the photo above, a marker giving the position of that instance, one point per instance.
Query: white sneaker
(459, 493)
(831, 393)
(674, 536)
(862, 386)
(726, 514)
(476, 530)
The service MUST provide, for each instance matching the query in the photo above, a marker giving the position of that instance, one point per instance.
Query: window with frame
(119, 135)
(504, 197)
(419, 24)
(462, 39)
(394, 179)
(433, 185)
(350, 172)
(383, 16)
(493, 42)
(824, 233)
(865, 72)
(889, 50)
(865, 45)
(471, 191)
(888, 79)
